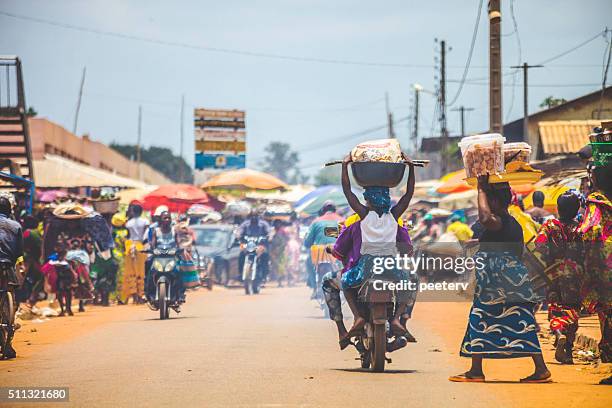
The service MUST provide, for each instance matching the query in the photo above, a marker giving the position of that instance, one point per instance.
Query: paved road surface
(227, 349)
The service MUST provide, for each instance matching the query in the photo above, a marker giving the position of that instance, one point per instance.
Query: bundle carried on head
(378, 163)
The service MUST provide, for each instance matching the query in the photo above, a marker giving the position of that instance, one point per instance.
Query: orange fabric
(454, 183)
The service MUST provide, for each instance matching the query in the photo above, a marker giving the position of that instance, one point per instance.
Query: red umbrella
(177, 197)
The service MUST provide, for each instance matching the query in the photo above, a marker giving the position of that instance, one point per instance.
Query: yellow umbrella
(128, 195)
(551, 193)
(245, 179)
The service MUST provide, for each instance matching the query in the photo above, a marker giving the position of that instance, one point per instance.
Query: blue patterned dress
(501, 323)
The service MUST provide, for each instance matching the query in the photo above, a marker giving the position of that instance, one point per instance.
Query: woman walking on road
(501, 323)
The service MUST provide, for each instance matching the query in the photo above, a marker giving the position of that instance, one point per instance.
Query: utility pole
(78, 107)
(525, 67)
(463, 109)
(138, 141)
(443, 128)
(415, 132)
(390, 131)
(495, 74)
(181, 170)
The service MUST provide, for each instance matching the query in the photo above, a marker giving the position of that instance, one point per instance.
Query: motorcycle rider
(316, 237)
(164, 237)
(378, 227)
(11, 248)
(254, 226)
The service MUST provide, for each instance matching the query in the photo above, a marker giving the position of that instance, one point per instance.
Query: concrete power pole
(181, 170)
(390, 131)
(138, 141)
(525, 67)
(463, 109)
(78, 107)
(443, 129)
(495, 70)
(415, 131)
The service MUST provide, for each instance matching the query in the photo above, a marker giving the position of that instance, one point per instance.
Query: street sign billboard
(219, 144)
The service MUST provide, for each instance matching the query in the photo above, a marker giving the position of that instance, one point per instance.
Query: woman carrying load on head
(377, 234)
(501, 323)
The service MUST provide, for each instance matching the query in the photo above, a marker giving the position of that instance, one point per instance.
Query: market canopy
(453, 183)
(177, 197)
(244, 179)
(133, 194)
(59, 172)
(312, 202)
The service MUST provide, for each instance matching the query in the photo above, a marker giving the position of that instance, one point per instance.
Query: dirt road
(227, 349)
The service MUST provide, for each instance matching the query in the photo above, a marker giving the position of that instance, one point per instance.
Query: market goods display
(601, 143)
(519, 151)
(381, 150)
(482, 154)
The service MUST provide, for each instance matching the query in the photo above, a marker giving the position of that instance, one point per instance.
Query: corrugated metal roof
(565, 136)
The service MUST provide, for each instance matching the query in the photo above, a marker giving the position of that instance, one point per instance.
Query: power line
(519, 59)
(582, 44)
(605, 74)
(208, 48)
(469, 59)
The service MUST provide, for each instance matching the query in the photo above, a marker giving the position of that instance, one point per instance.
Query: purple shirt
(348, 245)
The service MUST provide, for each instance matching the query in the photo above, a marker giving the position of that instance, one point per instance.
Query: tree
(282, 162)
(327, 176)
(551, 102)
(31, 112)
(160, 159)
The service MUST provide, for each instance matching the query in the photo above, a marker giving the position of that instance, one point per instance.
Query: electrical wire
(470, 53)
(606, 66)
(582, 44)
(209, 48)
(519, 60)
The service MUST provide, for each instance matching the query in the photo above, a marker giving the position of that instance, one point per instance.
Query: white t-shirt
(137, 227)
(378, 234)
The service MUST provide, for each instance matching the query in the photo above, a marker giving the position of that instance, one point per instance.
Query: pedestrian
(134, 261)
(560, 247)
(278, 248)
(120, 234)
(596, 232)
(501, 322)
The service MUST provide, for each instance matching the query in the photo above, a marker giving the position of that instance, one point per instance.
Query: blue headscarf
(379, 198)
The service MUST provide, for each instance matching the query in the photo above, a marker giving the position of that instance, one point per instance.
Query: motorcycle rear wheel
(7, 320)
(379, 348)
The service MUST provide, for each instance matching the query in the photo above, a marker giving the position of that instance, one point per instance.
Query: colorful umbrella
(177, 197)
(245, 179)
(453, 183)
(50, 196)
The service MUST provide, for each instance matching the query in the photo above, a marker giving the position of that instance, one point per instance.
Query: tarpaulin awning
(458, 201)
(551, 193)
(454, 183)
(59, 172)
(177, 197)
(312, 202)
(291, 195)
(244, 179)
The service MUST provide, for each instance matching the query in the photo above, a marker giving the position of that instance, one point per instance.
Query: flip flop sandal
(464, 378)
(531, 380)
(344, 342)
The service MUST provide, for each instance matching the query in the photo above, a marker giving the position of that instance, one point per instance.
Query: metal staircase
(16, 169)
(15, 148)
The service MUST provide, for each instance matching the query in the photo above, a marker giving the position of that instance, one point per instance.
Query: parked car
(218, 251)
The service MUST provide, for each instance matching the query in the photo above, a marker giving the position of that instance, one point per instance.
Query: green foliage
(31, 112)
(551, 102)
(282, 162)
(160, 159)
(327, 176)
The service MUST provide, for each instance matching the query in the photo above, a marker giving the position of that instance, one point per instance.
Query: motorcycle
(252, 273)
(377, 306)
(167, 280)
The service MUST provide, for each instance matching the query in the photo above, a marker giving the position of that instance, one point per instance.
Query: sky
(205, 50)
